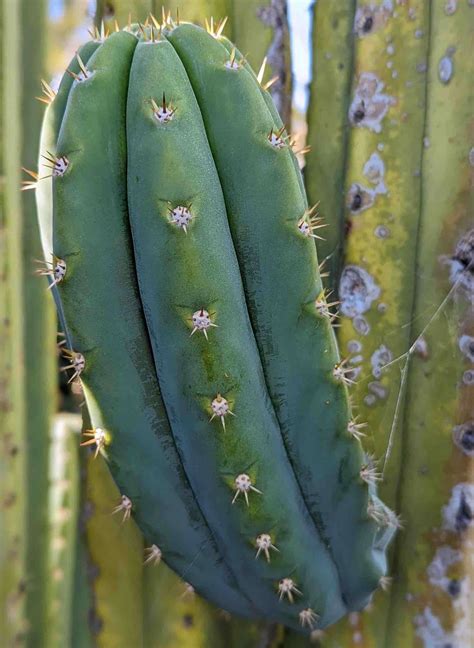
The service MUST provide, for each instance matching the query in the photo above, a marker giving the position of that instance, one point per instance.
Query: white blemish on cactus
(463, 437)
(468, 377)
(308, 618)
(461, 264)
(287, 587)
(96, 436)
(243, 484)
(450, 7)
(458, 514)
(374, 171)
(369, 105)
(164, 112)
(381, 357)
(437, 571)
(125, 506)
(357, 291)
(263, 542)
(181, 217)
(152, 555)
(385, 583)
(201, 320)
(220, 408)
(466, 346)
(77, 363)
(445, 69)
(382, 232)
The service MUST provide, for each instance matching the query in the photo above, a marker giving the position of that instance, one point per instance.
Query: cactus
(406, 213)
(332, 71)
(63, 517)
(27, 337)
(194, 406)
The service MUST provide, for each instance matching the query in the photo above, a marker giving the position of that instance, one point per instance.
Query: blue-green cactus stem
(190, 284)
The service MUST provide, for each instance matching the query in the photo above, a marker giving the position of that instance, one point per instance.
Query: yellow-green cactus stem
(64, 499)
(430, 601)
(328, 129)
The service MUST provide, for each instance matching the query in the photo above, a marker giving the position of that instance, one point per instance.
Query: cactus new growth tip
(181, 247)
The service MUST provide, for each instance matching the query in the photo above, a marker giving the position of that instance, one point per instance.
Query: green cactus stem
(207, 427)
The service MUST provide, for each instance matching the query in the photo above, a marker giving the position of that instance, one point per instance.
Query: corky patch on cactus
(180, 243)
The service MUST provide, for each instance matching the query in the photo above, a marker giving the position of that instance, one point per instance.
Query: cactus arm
(438, 417)
(152, 476)
(63, 516)
(174, 166)
(12, 386)
(332, 43)
(301, 352)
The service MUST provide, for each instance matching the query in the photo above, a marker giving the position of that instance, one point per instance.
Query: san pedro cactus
(185, 268)
(406, 295)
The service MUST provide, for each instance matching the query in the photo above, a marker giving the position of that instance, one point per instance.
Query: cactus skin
(332, 43)
(425, 213)
(146, 466)
(12, 382)
(438, 449)
(63, 507)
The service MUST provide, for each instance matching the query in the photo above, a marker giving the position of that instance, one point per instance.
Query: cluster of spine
(223, 411)
(399, 247)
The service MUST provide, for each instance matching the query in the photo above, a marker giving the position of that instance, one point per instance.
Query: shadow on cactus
(180, 244)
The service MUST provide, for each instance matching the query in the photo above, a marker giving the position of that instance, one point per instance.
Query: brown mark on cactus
(463, 437)
(369, 105)
(461, 264)
(371, 17)
(359, 198)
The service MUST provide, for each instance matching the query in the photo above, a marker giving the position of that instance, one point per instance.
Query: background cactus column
(13, 479)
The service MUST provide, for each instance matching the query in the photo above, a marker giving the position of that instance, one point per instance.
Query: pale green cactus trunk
(406, 203)
(13, 482)
(63, 508)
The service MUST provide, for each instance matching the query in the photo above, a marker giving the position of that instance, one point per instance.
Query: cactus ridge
(222, 400)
